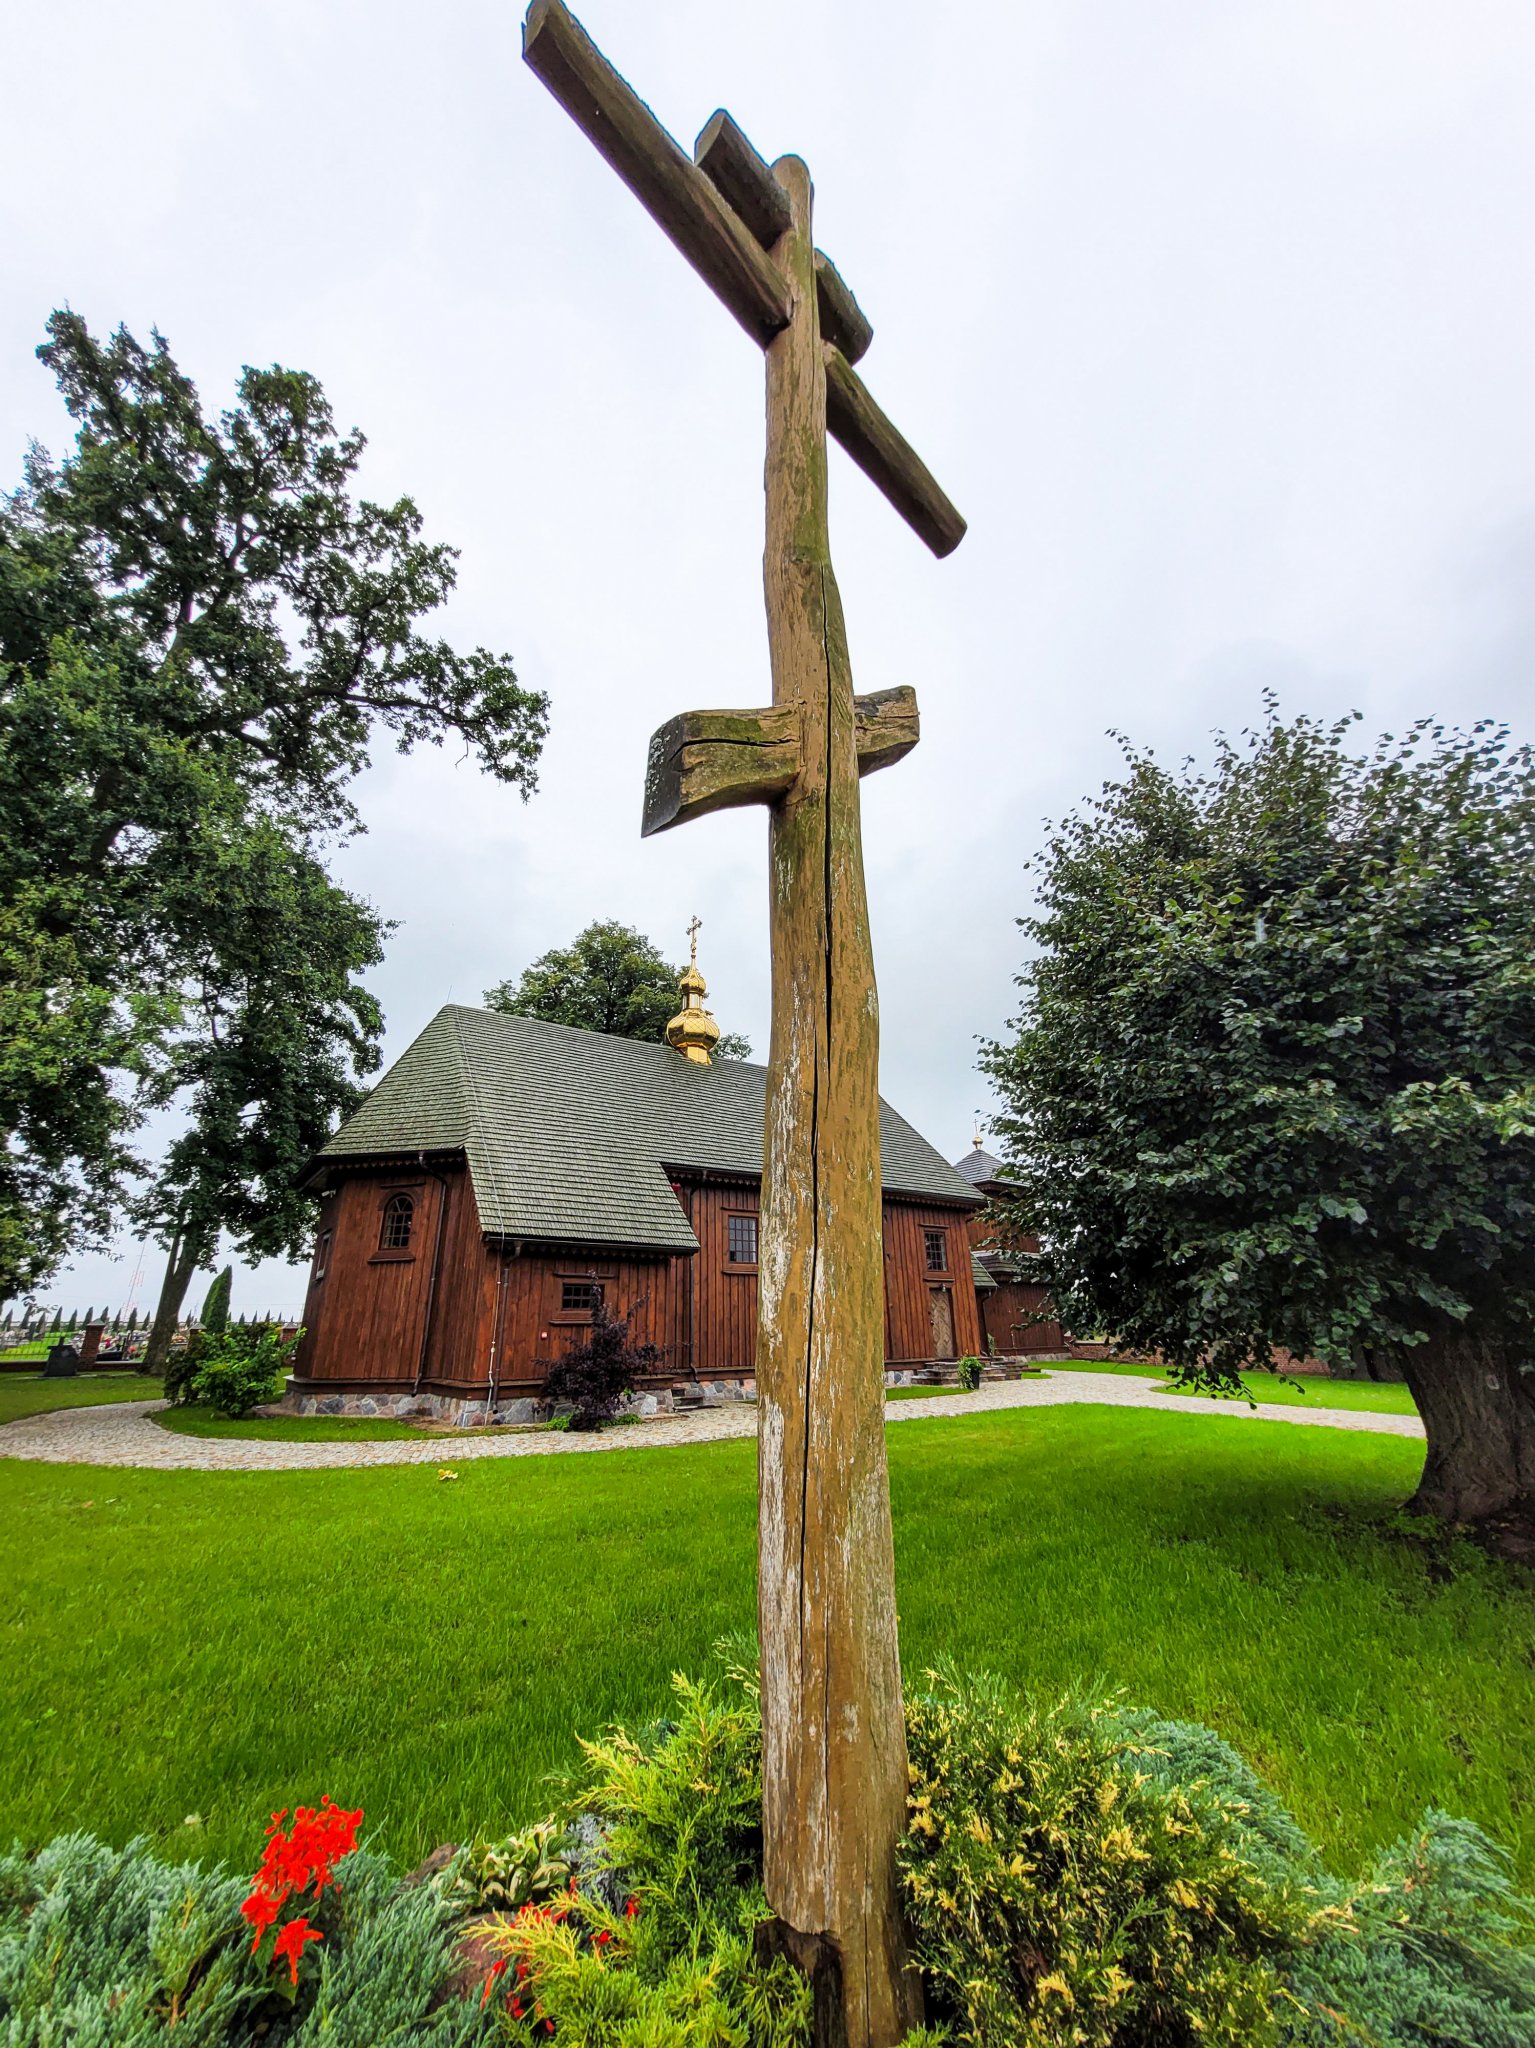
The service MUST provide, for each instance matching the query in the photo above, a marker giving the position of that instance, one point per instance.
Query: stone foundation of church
(467, 1411)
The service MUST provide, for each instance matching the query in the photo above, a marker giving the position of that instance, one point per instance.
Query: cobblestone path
(124, 1434)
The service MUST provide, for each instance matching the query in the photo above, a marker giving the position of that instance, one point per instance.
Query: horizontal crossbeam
(886, 457)
(708, 761)
(723, 245)
(684, 203)
(746, 179)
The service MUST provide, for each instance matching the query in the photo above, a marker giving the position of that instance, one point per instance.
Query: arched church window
(398, 1221)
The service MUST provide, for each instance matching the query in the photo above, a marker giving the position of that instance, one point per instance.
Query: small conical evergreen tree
(89, 1317)
(133, 1320)
(216, 1307)
(58, 1322)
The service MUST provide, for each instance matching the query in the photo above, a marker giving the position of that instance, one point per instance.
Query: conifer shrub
(109, 1948)
(215, 1317)
(1076, 1875)
(968, 1374)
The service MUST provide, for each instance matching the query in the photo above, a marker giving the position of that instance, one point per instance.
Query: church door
(940, 1306)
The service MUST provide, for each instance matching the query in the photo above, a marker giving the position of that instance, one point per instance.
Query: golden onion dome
(693, 1031)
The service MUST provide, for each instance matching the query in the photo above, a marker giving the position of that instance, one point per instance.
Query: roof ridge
(651, 1045)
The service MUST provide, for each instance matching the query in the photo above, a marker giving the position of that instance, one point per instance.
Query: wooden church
(1014, 1308)
(505, 1174)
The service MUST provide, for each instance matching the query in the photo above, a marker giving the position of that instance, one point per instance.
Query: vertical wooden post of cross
(834, 1747)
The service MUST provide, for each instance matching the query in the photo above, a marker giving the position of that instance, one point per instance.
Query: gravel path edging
(123, 1434)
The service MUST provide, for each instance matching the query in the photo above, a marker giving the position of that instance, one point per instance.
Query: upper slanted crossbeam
(724, 212)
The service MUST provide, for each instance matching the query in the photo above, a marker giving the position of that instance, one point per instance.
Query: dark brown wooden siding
(501, 1310)
(364, 1319)
(1016, 1317)
(536, 1328)
(910, 1281)
(723, 1294)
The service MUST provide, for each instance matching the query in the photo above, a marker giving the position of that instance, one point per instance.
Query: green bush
(968, 1373)
(107, 1948)
(654, 1946)
(238, 1368)
(1088, 1875)
(1076, 1876)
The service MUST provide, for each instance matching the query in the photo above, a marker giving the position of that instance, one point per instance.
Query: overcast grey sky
(1216, 320)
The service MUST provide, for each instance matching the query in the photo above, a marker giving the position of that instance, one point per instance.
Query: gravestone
(62, 1362)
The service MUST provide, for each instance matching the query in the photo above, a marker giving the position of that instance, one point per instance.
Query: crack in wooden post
(834, 1745)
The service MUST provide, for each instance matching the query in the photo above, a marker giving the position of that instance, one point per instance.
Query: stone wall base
(468, 1411)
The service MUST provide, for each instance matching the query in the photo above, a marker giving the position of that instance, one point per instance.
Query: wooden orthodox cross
(834, 1748)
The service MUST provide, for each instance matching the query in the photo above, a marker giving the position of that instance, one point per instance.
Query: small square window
(579, 1297)
(741, 1240)
(936, 1243)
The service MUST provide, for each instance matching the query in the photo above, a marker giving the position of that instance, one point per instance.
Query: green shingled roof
(570, 1135)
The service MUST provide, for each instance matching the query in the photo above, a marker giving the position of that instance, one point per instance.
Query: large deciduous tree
(1273, 1082)
(198, 619)
(276, 1029)
(609, 978)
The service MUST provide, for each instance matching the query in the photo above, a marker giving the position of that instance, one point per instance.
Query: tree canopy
(275, 1030)
(609, 978)
(202, 629)
(1273, 1082)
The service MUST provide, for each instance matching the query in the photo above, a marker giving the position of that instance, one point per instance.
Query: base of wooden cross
(819, 1960)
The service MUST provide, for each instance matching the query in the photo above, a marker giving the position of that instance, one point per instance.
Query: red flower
(290, 1943)
(291, 1861)
(260, 1909)
(490, 1978)
(631, 1906)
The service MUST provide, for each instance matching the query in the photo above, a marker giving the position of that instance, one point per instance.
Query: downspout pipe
(431, 1285)
(493, 1388)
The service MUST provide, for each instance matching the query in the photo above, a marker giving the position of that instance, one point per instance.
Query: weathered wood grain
(887, 458)
(713, 760)
(729, 161)
(834, 1750)
(724, 154)
(843, 321)
(704, 761)
(675, 193)
(886, 727)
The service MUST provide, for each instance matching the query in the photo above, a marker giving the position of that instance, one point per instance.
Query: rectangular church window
(936, 1243)
(741, 1240)
(579, 1297)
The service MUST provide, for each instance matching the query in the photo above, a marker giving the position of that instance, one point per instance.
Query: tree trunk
(1478, 1410)
(834, 1779)
(180, 1265)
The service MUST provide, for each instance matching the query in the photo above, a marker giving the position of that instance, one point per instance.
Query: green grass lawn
(24, 1393)
(195, 1420)
(227, 1643)
(1375, 1397)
